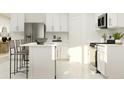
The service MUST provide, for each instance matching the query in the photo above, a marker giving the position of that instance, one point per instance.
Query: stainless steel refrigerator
(33, 31)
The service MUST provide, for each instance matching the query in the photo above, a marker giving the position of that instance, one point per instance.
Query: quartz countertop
(112, 45)
(34, 44)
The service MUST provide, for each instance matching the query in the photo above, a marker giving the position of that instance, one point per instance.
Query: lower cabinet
(110, 60)
(101, 62)
(42, 62)
(62, 52)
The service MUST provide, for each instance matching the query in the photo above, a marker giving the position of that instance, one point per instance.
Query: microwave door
(102, 21)
(105, 21)
(99, 22)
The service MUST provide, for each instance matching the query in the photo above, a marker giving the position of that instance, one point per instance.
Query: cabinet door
(64, 22)
(49, 22)
(101, 62)
(17, 22)
(120, 19)
(58, 52)
(34, 17)
(64, 52)
(20, 22)
(98, 61)
(112, 20)
(56, 22)
(13, 22)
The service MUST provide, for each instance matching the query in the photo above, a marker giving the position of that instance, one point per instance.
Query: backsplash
(17, 35)
(64, 36)
(110, 32)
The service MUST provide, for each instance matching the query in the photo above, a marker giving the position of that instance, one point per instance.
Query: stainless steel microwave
(102, 21)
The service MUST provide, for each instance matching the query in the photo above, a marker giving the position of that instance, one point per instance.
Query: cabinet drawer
(101, 48)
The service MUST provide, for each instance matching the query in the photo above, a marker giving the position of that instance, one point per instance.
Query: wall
(17, 35)
(110, 32)
(4, 22)
(82, 31)
(64, 36)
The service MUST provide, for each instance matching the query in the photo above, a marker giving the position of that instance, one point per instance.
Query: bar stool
(22, 57)
(24, 49)
(13, 51)
(25, 58)
(18, 50)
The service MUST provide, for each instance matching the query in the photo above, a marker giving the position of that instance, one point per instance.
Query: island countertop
(34, 44)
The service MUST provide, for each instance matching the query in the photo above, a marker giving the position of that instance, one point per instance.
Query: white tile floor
(65, 70)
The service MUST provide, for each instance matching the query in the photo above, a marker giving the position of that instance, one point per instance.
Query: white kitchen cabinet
(49, 22)
(62, 51)
(35, 17)
(57, 22)
(42, 61)
(112, 20)
(101, 60)
(110, 60)
(58, 52)
(17, 22)
(63, 22)
(115, 20)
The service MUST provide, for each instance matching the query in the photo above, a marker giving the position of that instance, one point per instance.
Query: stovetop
(93, 44)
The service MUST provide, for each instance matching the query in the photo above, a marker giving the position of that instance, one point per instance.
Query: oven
(93, 55)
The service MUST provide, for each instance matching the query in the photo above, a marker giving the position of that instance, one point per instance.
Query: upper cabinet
(64, 22)
(57, 22)
(115, 20)
(49, 22)
(17, 22)
(35, 17)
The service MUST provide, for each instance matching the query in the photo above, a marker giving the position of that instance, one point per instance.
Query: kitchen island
(42, 60)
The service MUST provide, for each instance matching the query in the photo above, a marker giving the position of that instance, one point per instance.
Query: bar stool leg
(26, 69)
(20, 63)
(14, 63)
(26, 63)
(10, 66)
(17, 64)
